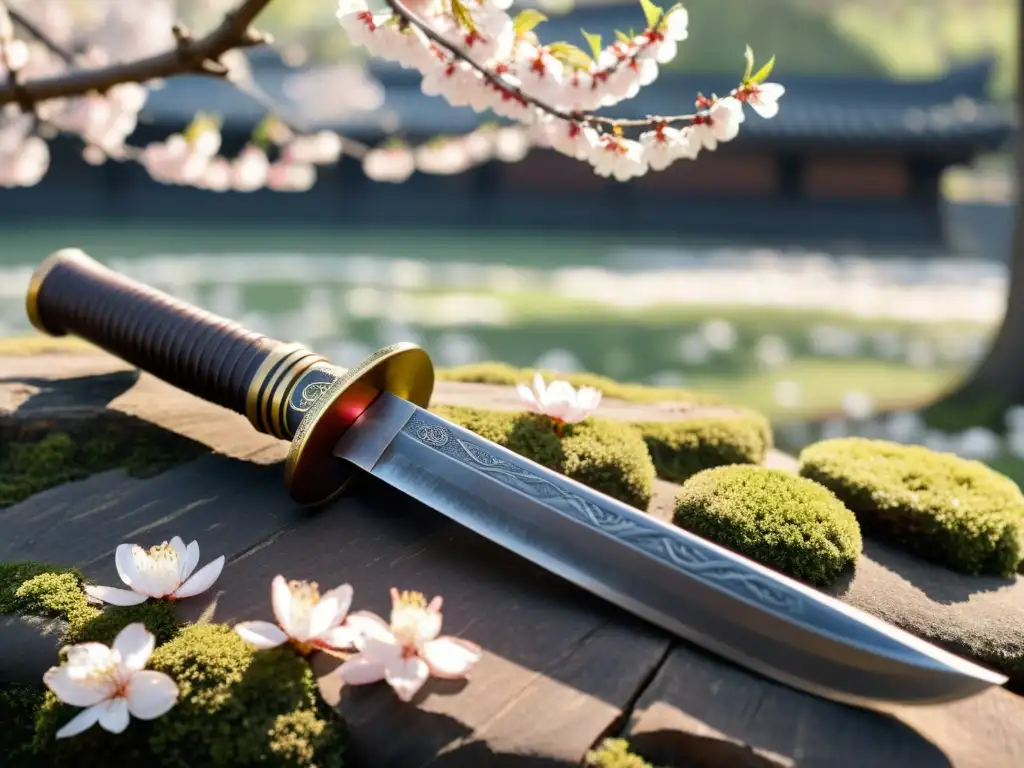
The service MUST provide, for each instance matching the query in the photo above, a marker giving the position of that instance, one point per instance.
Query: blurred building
(851, 159)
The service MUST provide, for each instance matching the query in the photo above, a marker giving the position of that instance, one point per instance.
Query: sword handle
(209, 356)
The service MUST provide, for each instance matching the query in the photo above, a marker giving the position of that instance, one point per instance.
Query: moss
(607, 456)
(33, 466)
(786, 522)
(501, 373)
(18, 705)
(236, 707)
(614, 753)
(103, 626)
(13, 575)
(952, 511)
(681, 449)
(58, 595)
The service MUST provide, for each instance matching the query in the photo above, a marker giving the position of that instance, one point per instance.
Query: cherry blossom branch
(189, 56)
(410, 18)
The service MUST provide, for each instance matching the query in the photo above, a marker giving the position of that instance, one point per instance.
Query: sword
(372, 418)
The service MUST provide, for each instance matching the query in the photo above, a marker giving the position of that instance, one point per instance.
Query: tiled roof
(947, 113)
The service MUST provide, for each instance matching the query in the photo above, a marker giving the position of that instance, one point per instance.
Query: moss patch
(614, 753)
(142, 450)
(783, 521)
(949, 510)
(18, 706)
(608, 456)
(681, 449)
(501, 373)
(237, 707)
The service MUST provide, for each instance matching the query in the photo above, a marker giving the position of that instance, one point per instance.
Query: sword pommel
(284, 389)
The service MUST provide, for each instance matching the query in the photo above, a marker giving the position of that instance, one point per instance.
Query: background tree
(998, 382)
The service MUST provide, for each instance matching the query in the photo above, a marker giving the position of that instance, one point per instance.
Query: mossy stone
(608, 456)
(504, 374)
(140, 449)
(18, 705)
(952, 511)
(783, 521)
(681, 449)
(615, 753)
(236, 707)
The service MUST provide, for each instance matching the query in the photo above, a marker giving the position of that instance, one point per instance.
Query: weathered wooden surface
(561, 668)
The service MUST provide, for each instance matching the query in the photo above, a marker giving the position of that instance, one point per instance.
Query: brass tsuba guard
(298, 395)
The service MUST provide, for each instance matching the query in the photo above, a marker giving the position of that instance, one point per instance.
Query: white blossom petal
(115, 596)
(407, 676)
(338, 637)
(191, 560)
(373, 649)
(182, 554)
(369, 626)
(358, 670)
(281, 602)
(343, 596)
(202, 579)
(451, 657)
(321, 616)
(134, 644)
(75, 690)
(261, 634)
(113, 715)
(125, 562)
(150, 694)
(83, 721)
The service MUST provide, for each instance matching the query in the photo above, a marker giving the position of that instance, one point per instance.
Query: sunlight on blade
(697, 590)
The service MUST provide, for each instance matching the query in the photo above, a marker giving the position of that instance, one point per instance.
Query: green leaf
(462, 16)
(652, 13)
(749, 55)
(762, 74)
(622, 37)
(570, 55)
(528, 19)
(594, 41)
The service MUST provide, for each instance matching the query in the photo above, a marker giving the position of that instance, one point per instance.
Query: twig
(189, 56)
(48, 42)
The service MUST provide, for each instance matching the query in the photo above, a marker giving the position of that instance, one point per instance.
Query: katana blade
(678, 581)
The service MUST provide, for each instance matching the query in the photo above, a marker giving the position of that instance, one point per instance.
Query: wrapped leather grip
(192, 349)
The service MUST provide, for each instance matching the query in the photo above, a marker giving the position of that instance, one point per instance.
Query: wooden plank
(554, 655)
(717, 714)
(560, 667)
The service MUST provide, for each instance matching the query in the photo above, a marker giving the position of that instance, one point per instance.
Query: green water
(602, 304)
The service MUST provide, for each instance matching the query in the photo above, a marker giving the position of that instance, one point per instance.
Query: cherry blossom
(163, 571)
(719, 123)
(393, 163)
(762, 97)
(559, 400)
(305, 618)
(406, 652)
(618, 157)
(112, 683)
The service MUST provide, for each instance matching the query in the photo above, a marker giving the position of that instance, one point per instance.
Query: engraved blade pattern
(693, 588)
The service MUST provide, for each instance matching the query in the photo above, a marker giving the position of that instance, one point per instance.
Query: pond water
(793, 331)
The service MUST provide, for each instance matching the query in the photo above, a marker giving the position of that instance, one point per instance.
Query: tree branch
(189, 56)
